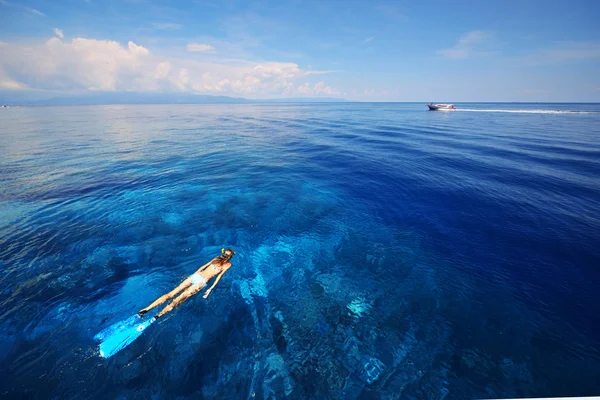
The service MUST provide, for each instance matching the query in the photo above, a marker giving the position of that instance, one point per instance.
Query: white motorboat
(435, 107)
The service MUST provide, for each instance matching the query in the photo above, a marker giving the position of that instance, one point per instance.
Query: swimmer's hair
(226, 256)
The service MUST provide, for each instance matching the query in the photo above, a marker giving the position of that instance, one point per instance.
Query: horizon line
(276, 101)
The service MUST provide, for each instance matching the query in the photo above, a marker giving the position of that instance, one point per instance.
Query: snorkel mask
(227, 253)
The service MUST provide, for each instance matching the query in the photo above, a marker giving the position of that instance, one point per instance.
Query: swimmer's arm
(216, 281)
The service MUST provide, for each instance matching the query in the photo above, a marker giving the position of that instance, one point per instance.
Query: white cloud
(81, 63)
(465, 46)
(367, 40)
(321, 88)
(138, 50)
(304, 88)
(10, 84)
(34, 11)
(162, 70)
(7, 83)
(89, 64)
(282, 70)
(184, 78)
(28, 9)
(317, 89)
(200, 47)
(58, 33)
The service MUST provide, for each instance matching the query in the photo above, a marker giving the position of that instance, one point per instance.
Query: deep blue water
(383, 251)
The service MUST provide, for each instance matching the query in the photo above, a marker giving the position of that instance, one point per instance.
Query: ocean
(383, 251)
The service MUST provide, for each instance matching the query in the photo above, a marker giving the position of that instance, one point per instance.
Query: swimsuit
(198, 279)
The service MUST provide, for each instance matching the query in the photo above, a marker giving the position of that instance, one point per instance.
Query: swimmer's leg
(192, 290)
(186, 283)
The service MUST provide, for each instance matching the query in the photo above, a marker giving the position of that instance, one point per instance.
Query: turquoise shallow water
(383, 251)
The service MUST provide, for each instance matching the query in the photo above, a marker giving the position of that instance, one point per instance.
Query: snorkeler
(194, 283)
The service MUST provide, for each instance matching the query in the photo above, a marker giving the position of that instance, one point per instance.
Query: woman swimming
(194, 283)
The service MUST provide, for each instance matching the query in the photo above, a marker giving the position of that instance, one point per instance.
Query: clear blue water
(383, 251)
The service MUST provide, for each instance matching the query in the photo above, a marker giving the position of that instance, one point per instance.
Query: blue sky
(433, 50)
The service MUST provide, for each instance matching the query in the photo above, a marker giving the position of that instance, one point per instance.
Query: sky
(442, 51)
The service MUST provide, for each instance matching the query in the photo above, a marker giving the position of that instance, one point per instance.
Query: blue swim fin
(120, 335)
(119, 326)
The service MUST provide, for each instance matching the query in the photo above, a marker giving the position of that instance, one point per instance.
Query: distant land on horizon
(106, 98)
(25, 98)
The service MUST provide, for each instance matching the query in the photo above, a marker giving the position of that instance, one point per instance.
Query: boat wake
(528, 111)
